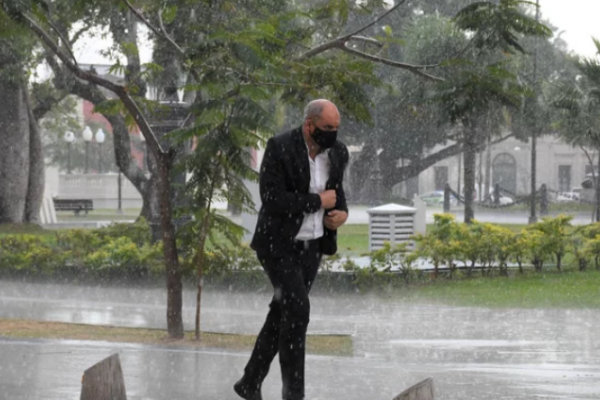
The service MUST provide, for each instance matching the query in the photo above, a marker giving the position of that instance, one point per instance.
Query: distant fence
(493, 200)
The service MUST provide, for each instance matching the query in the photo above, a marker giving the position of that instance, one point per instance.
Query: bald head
(315, 109)
(320, 115)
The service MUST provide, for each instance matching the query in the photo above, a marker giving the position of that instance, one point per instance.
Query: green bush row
(125, 252)
(118, 252)
(491, 246)
(459, 247)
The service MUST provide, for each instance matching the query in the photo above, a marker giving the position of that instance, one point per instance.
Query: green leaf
(169, 14)
(500, 26)
(388, 30)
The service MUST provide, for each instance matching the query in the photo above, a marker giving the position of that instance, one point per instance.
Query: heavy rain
(315, 199)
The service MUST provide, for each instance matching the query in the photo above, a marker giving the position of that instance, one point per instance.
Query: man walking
(303, 205)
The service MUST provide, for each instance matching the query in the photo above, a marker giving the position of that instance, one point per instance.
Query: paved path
(472, 353)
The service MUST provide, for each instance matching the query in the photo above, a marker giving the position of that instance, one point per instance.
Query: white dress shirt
(312, 225)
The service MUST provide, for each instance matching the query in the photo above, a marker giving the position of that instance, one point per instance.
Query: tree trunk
(582, 264)
(458, 183)
(65, 80)
(173, 270)
(37, 170)
(151, 207)
(488, 166)
(469, 164)
(597, 186)
(480, 196)
(14, 142)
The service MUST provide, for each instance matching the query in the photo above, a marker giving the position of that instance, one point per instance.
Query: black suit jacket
(284, 186)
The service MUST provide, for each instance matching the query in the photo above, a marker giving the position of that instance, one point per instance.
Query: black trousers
(284, 330)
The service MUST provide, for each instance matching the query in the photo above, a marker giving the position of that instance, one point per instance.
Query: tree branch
(502, 139)
(158, 32)
(342, 44)
(45, 105)
(367, 40)
(162, 32)
(417, 69)
(64, 40)
(79, 33)
(141, 17)
(91, 77)
(166, 35)
(64, 81)
(591, 162)
(422, 164)
(342, 40)
(375, 21)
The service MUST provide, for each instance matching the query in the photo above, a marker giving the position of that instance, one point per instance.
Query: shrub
(556, 234)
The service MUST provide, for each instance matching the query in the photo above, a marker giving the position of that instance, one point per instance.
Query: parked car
(568, 197)
(505, 200)
(436, 198)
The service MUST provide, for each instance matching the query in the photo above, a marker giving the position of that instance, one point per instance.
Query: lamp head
(87, 134)
(69, 137)
(100, 136)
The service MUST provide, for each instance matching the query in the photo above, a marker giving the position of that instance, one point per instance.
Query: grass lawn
(353, 239)
(569, 289)
(24, 229)
(335, 345)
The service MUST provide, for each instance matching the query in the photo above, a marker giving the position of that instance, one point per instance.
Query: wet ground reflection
(472, 353)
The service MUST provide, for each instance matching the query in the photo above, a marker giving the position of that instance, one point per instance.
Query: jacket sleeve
(339, 161)
(340, 203)
(273, 191)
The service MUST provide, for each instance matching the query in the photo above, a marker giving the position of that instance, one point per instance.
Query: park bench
(75, 205)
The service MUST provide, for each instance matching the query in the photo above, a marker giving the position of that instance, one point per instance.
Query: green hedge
(492, 247)
(121, 252)
(124, 252)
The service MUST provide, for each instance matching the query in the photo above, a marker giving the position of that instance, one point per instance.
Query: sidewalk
(472, 353)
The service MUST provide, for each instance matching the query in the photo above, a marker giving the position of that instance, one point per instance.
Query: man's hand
(335, 218)
(328, 199)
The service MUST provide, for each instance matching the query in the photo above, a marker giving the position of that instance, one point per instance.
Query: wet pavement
(471, 352)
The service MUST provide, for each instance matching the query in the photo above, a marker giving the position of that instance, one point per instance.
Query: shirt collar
(326, 151)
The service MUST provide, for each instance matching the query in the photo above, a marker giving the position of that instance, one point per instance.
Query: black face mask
(325, 139)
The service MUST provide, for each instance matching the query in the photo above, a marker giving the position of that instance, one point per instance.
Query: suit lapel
(300, 158)
(335, 169)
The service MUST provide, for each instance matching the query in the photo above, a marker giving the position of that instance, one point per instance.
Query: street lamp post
(120, 193)
(144, 152)
(174, 117)
(87, 137)
(69, 138)
(532, 202)
(100, 137)
(376, 179)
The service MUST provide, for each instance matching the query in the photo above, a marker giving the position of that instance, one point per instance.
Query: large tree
(237, 58)
(22, 163)
(407, 127)
(575, 113)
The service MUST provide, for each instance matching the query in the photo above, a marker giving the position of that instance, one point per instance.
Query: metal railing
(493, 200)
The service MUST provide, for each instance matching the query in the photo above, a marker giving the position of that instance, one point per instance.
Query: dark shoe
(245, 392)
